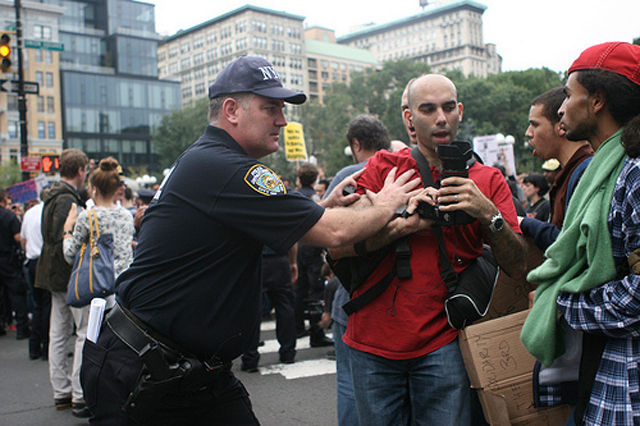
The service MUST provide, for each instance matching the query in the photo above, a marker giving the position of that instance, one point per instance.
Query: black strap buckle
(450, 279)
(403, 258)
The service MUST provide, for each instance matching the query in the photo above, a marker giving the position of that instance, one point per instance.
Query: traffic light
(5, 52)
(50, 163)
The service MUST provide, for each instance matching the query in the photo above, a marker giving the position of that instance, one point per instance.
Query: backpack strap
(370, 295)
(449, 276)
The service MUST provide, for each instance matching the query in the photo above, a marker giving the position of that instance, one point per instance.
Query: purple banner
(24, 191)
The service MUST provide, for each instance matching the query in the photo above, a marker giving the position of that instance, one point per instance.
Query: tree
(10, 174)
(500, 104)
(178, 130)
(324, 128)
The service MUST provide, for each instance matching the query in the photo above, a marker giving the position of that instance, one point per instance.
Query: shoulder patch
(264, 181)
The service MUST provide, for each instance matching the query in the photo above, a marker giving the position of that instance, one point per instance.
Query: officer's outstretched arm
(342, 226)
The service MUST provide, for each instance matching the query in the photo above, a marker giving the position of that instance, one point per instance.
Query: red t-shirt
(408, 319)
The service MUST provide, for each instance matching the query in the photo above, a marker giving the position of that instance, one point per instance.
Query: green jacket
(53, 271)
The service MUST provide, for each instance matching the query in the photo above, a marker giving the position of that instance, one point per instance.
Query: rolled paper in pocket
(96, 313)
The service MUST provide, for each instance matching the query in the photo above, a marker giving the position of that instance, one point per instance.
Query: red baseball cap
(617, 56)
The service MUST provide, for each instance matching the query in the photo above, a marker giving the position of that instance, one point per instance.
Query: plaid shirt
(613, 309)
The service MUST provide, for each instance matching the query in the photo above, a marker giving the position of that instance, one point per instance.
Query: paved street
(294, 394)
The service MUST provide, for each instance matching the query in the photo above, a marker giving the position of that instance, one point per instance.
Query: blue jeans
(429, 390)
(347, 409)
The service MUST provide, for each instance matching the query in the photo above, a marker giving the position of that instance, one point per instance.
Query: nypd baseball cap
(619, 57)
(253, 74)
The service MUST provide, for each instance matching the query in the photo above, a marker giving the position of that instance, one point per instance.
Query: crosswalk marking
(267, 325)
(309, 368)
(272, 345)
(299, 369)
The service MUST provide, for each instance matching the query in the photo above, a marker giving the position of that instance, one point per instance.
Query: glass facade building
(112, 97)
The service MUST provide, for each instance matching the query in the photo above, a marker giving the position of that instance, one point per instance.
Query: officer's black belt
(159, 354)
(131, 331)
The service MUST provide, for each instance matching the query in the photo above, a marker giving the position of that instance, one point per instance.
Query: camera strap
(448, 274)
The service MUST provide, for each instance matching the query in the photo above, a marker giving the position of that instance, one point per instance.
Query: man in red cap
(592, 276)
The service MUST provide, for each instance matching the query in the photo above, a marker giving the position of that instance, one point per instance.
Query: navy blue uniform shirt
(196, 274)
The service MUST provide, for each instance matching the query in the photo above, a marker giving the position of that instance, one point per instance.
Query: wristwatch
(497, 223)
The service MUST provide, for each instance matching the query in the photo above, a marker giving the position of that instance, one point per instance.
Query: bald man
(405, 360)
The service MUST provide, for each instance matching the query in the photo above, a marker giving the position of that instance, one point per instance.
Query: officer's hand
(293, 268)
(396, 192)
(457, 193)
(336, 198)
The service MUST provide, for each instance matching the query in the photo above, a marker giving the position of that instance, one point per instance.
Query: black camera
(348, 190)
(455, 158)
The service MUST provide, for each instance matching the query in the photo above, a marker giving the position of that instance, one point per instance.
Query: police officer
(189, 302)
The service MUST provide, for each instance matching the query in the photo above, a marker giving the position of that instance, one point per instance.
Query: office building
(447, 37)
(195, 56)
(112, 97)
(41, 65)
(328, 62)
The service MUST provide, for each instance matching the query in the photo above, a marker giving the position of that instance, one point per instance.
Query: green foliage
(500, 104)
(636, 41)
(321, 128)
(178, 130)
(10, 174)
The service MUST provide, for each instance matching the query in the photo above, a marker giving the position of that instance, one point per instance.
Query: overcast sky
(528, 34)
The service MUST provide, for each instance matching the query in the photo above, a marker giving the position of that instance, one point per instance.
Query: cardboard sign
(497, 362)
(492, 351)
(501, 369)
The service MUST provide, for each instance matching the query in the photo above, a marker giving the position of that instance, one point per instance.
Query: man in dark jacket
(53, 274)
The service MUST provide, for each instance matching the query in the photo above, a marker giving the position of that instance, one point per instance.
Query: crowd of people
(225, 240)
(43, 242)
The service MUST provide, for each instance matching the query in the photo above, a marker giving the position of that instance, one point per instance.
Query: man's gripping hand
(459, 193)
